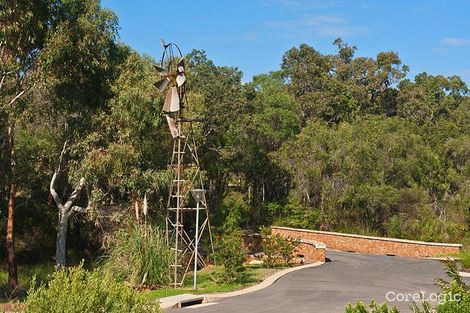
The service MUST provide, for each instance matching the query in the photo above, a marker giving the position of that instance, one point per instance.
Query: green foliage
(78, 290)
(229, 253)
(139, 255)
(331, 141)
(465, 259)
(79, 51)
(363, 174)
(278, 250)
(40, 273)
(234, 211)
(373, 307)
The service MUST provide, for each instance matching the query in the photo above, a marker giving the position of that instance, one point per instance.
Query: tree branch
(79, 209)
(57, 172)
(19, 95)
(53, 192)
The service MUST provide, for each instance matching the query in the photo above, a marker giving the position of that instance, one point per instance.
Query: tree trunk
(12, 269)
(61, 247)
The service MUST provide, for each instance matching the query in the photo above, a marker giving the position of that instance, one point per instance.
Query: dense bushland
(332, 141)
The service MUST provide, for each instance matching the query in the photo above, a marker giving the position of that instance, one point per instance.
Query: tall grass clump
(76, 290)
(139, 255)
(465, 259)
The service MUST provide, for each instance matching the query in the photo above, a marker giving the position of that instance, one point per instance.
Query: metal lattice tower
(186, 171)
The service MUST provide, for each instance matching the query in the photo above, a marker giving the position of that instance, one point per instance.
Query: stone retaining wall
(310, 251)
(369, 244)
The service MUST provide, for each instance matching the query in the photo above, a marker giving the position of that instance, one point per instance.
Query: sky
(430, 36)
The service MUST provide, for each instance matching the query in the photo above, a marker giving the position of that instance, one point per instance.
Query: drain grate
(190, 302)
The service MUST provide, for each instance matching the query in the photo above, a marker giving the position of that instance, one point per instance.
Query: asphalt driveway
(329, 287)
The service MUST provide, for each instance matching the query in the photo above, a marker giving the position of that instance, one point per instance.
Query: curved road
(328, 288)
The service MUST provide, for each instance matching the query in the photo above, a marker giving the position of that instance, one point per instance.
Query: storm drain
(192, 301)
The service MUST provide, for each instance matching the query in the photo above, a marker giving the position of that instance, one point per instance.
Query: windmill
(183, 229)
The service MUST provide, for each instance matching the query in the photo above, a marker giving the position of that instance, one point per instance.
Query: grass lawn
(206, 283)
(25, 275)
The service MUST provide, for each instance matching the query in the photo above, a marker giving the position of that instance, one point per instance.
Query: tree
(66, 209)
(340, 87)
(217, 96)
(77, 65)
(23, 28)
(430, 98)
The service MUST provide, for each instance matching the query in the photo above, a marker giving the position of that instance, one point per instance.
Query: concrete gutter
(178, 300)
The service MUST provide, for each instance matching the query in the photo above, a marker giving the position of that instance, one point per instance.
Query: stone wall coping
(424, 243)
(316, 244)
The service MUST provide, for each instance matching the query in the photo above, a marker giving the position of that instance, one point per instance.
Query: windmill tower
(183, 229)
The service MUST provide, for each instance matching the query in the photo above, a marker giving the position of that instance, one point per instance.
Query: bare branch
(57, 172)
(65, 149)
(53, 192)
(2, 81)
(75, 194)
(79, 209)
(19, 95)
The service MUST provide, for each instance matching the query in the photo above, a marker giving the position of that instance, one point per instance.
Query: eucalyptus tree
(126, 152)
(78, 63)
(218, 98)
(340, 87)
(23, 28)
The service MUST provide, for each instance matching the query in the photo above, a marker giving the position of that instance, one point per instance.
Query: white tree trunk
(65, 210)
(61, 247)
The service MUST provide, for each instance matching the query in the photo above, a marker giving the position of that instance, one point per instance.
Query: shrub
(78, 290)
(139, 255)
(277, 248)
(360, 307)
(229, 253)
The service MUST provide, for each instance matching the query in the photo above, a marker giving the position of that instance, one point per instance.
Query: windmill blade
(162, 83)
(181, 65)
(172, 101)
(159, 69)
(180, 79)
(175, 100)
(172, 125)
(163, 44)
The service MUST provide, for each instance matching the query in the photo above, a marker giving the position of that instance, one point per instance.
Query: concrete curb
(174, 301)
(265, 283)
(464, 274)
